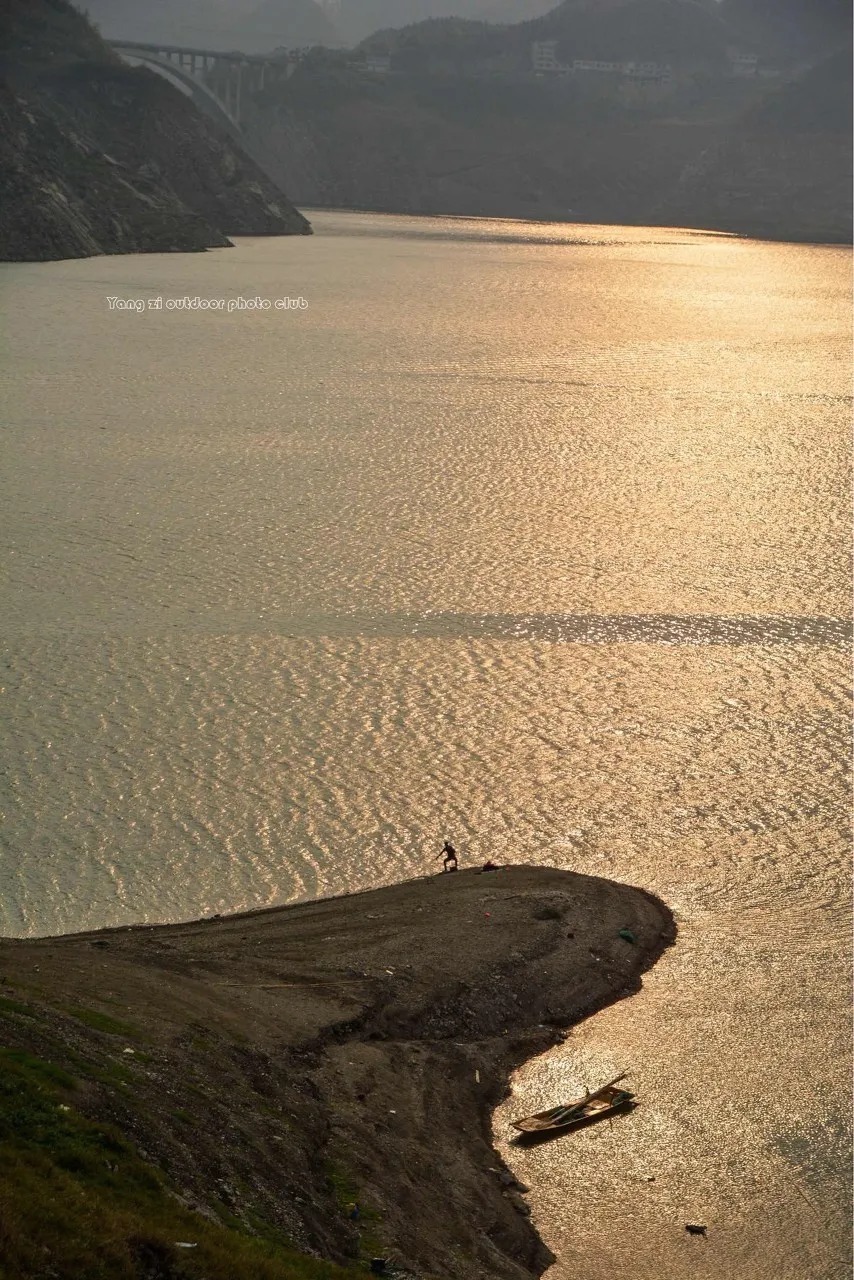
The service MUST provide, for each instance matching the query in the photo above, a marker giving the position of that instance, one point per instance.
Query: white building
(586, 64)
(545, 61)
(647, 70)
(544, 57)
(742, 64)
(379, 63)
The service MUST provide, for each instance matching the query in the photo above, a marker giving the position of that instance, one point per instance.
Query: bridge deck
(232, 56)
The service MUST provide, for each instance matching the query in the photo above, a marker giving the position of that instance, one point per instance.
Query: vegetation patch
(15, 1006)
(77, 1202)
(352, 1204)
(103, 1022)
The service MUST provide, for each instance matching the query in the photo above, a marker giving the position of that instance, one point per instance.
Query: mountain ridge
(98, 157)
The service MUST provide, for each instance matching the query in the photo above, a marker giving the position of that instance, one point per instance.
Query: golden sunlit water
(531, 537)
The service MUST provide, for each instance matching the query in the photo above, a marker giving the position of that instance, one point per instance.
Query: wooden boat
(574, 1115)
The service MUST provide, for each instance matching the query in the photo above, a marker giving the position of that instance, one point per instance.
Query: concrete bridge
(217, 82)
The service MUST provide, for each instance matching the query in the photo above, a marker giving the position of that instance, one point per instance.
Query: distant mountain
(291, 24)
(782, 167)
(356, 19)
(181, 22)
(461, 126)
(511, 10)
(99, 157)
(682, 32)
(247, 25)
(793, 29)
(659, 30)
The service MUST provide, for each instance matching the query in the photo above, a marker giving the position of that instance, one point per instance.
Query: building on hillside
(378, 63)
(544, 59)
(587, 64)
(647, 70)
(635, 92)
(741, 63)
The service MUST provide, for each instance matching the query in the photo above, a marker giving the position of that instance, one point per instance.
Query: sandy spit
(291, 1062)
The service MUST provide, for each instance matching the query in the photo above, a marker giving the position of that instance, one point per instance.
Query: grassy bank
(77, 1202)
(291, 1091)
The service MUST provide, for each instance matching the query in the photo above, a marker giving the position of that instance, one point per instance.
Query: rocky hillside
(782, 168)
(798, 30)
(471, 149)
(97, 157)
(316, 1080)
(660, 30)
(676, 31)
(356, 19)
(438, 135)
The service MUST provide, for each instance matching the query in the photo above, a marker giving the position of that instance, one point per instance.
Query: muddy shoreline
(287, 1065)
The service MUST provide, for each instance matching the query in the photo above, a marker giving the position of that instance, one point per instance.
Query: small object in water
(627, 935)
(186, 1244)
(574, 1115)
(695, 1229)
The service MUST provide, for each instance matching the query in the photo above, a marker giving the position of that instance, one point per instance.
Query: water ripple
(567, 628)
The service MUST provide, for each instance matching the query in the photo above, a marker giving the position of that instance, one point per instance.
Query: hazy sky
(803, 26)
(254, 25)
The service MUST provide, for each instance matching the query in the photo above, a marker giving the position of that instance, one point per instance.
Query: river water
(531, 537)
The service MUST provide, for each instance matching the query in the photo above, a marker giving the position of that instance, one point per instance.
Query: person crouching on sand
(448, 856)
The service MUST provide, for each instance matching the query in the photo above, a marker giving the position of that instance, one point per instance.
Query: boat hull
(576, 1115)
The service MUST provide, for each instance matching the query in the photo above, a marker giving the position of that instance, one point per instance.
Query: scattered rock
(520, 1205)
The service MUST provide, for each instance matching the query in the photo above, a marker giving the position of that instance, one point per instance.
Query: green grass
(103, 1022)
(346, 1195)
(15, 1006)
(114, 1074)
(78, 1203)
